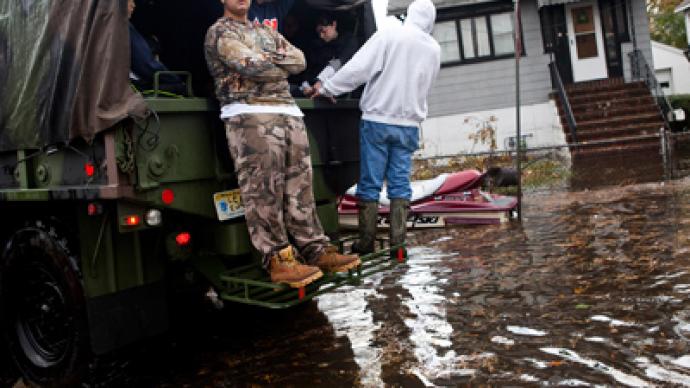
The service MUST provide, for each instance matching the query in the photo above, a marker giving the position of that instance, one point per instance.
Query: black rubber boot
(398, 229)
(368, 215)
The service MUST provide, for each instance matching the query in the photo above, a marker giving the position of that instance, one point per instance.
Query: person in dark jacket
(145, 64)
(270, 12)
(335, 49)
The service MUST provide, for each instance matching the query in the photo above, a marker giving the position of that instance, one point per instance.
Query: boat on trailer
(446, 200)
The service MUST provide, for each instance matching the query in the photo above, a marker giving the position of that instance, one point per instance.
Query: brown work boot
(284, 268)
(333, 261)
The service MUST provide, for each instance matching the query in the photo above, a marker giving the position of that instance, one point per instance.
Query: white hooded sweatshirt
(398, 64)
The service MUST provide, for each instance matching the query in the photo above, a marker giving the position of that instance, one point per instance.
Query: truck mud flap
(122, 318)
(252, 285)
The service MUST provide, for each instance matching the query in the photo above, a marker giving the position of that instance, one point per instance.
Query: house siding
(491, 85)
(672, 61)
(484, 93)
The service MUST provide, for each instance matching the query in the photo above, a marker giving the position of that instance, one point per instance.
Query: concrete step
(610, 133)
(645, 146)
(589, 98)
(598, 86)
(614, 112)
(610, 110)
(607, 105)
(605, 83)
(652, 119)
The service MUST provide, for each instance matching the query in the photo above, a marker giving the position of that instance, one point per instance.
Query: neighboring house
(685, 8)
(585, 40)
(672, 69)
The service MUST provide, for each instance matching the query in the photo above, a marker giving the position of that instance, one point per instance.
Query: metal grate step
(251, 284)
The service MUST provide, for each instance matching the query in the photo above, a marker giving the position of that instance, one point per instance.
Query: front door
(587, 53)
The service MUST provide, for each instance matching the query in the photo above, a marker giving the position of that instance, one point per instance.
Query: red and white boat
(448, 199)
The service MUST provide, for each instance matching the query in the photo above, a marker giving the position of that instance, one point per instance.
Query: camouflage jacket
(250, 63)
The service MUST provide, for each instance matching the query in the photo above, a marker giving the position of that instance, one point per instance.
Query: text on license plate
(228, 204)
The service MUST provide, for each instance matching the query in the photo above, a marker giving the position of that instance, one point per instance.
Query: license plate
(228, 204)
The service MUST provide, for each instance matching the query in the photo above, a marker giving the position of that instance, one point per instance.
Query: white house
(586, 42)
(672, 69)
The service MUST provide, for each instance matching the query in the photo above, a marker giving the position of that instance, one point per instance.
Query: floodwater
(592, 289)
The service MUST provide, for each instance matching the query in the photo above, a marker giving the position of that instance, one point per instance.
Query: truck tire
(43, 308)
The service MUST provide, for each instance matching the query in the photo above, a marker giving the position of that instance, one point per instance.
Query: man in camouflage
(268, 143)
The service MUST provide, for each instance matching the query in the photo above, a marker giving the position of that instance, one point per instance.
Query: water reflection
(431, 334)
(347, 310)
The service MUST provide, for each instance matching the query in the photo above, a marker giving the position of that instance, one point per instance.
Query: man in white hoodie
(398, 64)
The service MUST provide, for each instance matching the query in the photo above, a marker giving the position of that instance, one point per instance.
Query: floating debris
(497, 339)
(619, 376)
(526, 331)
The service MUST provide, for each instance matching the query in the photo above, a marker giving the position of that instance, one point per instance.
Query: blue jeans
(386, 151)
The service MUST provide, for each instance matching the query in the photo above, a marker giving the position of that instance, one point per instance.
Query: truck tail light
(167, 196)
(183, 239)
(89, 169)
(94, 209)
(132, 220)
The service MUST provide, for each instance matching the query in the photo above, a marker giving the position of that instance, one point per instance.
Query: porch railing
(642, 72)
(560, 88)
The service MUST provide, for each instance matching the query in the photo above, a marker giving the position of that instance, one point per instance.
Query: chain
(125, 160)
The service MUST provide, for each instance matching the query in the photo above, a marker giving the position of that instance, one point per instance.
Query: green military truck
(111, 202)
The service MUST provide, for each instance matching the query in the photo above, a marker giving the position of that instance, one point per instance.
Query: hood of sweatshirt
(421, 14)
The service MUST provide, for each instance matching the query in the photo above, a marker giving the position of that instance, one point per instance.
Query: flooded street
(591, 289)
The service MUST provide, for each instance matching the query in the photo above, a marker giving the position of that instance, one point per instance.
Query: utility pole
(518, 136)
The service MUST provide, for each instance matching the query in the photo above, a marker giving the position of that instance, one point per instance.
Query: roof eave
(398, 9)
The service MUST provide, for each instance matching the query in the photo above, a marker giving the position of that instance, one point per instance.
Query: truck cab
(113, 199)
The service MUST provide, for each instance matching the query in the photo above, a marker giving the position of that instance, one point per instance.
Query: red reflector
(132, 220)
(167, 196)
(89, 169)
(183, 239)
(92, 209)
(301, 293)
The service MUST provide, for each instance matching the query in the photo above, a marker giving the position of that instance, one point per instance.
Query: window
(447, 36)
(664, 77)
(467, 39)
(502, 33)
(475, 38)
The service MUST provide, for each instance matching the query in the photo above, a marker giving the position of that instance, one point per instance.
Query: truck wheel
(43, 308)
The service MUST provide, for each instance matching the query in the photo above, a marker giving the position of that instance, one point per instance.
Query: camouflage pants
(273, 166)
